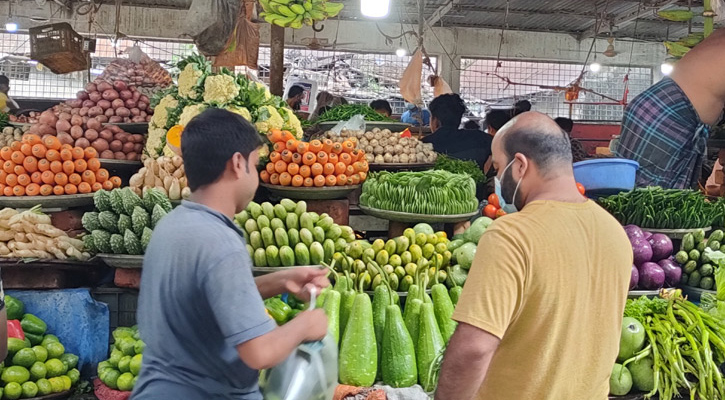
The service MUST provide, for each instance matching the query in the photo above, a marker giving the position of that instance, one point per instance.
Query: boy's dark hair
(4, 80)
(210, 140)
(448, 109)
(295, 91)
(472, 125)
(497, 118)
(381, 104)
(522, 106)
(565, 123)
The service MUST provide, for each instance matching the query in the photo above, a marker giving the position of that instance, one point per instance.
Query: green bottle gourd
(358, 350)
(399, 367)
(455, 293)
(412, 318)
(443, 308)
(347, 301)
(332, 309)
(430, 344)
(381, 299)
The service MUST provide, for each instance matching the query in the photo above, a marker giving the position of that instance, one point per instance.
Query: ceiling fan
(609, 52)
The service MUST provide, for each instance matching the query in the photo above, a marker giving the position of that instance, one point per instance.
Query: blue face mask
(508, 208)
(410, 106)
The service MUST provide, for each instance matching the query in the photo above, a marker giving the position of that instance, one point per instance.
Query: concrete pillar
(449, 70)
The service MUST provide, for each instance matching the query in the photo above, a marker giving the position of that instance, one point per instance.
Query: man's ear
(238, 165)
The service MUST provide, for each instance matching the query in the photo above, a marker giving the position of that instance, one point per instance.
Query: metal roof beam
(440, 12)
(619, 21)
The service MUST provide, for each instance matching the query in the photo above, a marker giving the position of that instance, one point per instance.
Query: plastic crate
(58, 47)
(122, 304)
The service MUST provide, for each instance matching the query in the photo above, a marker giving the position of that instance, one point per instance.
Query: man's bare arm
(466, 362)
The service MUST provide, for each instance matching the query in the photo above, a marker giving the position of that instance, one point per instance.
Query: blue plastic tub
(606, 176)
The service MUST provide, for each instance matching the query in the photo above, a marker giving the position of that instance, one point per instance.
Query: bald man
(541, 313)
(666, 128)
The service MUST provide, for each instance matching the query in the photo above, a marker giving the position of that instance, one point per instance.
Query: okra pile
(426, 192)
(657, 208)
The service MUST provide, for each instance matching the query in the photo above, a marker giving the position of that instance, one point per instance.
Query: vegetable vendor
(201, 312)
(545, 294)
(6, 103)
(447, 111)
(382, 107)
(665, 129)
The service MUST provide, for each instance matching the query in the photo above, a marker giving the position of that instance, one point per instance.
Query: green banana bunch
(295, 13)
(676, 50)
(676, 15)
(692, 40)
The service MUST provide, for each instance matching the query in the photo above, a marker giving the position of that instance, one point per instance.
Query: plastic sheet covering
(80, 322)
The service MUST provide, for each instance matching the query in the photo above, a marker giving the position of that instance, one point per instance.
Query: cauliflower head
(161, 113)
(220, 89)
(190, 112)
(291, 122)
(156, 141)
(268, 118)
(188, 82)
(243, 111)
(258, 93)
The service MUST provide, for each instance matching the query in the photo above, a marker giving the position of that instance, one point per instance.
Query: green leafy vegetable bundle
(426, 192)
(4, 120)
(347, 111)
(686, 346)
(460, 167)
(657, 208)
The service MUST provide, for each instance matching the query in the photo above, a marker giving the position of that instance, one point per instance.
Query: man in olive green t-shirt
(541, 313)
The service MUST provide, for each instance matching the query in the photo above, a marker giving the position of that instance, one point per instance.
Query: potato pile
(110, 141)
(113, 103)
(386, 147)
(163, 173)
(9, 135)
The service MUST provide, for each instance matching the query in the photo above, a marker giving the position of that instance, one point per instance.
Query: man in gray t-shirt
(200, 310)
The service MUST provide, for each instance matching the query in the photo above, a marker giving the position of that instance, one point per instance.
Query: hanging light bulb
(666, 68)
(11, 27)
(374, 8)
(401, 52)
(595, 67)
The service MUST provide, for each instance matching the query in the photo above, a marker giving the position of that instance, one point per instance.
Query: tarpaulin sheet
(80, 322)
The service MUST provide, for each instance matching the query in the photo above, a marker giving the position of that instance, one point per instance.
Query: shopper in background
(521, 107)
(415, 116)
(294, 97)
(577, 149)
(665, 129)
(545, 295)
(472, 125)
(200, 309)
(6, 103)
(496, 119)
(382, 106)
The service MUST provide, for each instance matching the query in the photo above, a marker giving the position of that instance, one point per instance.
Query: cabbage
(423, 228)
(473, 234)
(464, 255)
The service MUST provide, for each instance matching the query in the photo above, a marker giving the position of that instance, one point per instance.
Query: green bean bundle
(657, 208)
(346, 111)
(427, 192)
(686, 344)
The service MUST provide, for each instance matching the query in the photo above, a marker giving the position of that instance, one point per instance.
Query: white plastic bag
(718, 7)
(309, 373)
(356, 123)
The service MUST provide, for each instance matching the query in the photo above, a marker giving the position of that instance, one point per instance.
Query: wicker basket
(58, 47)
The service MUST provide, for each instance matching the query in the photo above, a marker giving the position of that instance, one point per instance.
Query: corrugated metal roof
(180, 4)
(567, 16)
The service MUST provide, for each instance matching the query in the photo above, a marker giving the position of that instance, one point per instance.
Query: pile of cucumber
(286, 234)
(697, 270)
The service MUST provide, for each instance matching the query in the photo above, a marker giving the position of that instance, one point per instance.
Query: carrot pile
(35, 167)
(317, 163)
